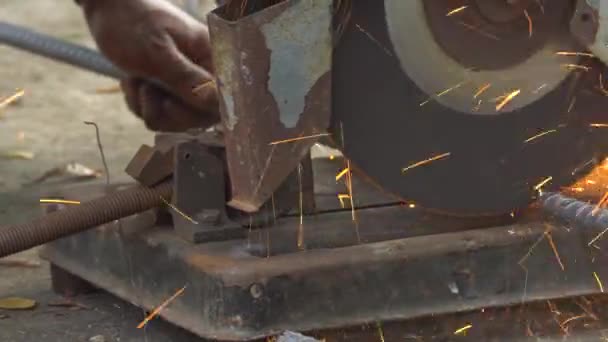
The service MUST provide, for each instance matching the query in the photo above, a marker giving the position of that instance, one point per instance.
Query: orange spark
(412, 205)
(58, 201)
(598, 125)
(443, 92)
(577, 189)
(456, 10)
(204, 85)
(160, 308)
(463, 329)
(481, 90)
(299, 138)
(597, 237)
(559, 260)
(301, 201)
(7, 101)
(574, 53)
(349, 185)
(572, 319)
(538, 186)
(539, 135)
(376, 41)
(341, 198)
(599, 204)
(530, 26)
(179, 211)
(478, 30)
(572, 103)
(426, 161)
(599, 282)
(507, 99)
(342, 173)
(576, 66)
(590, 182)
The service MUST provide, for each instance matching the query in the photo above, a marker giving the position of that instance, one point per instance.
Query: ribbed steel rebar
(575, 212)
(61, 223)
(57, 49)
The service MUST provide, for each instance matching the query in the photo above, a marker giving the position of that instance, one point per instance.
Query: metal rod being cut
(59, 50)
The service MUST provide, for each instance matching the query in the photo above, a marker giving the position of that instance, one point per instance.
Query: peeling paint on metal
(300, 42)
(225, 68)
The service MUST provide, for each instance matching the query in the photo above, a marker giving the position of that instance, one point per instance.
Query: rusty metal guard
(273, 70)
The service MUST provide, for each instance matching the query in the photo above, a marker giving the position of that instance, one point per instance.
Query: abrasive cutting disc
(461, 106)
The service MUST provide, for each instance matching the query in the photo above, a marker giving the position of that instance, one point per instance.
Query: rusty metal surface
(273, 73)
(233, 295)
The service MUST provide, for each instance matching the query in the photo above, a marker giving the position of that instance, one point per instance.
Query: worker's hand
(152, 40)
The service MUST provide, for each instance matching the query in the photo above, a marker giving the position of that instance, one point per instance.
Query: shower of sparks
(540, 135)
(574, 53)
(160, 308)
(58, 201)
(478, 30)
(182, 214)
(341, 198)
(380, 332)
(426, 161)
(530, 24)
(456, 10)
(507, 99)
(299, 138)
(7, 101)
(597, 237)
(463, 330)
(539, 186)
(577, 189)
(481, 90)
(599, 282)
(342, 173)
(590, 182)
(600, 204)
(443, 92)
(576, 67)
(369, 35)
(599, 125)
(554, 248)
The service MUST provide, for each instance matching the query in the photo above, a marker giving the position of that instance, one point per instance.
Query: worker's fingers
(163, 112)
(194, 43)
(179, 74)
(130, 88)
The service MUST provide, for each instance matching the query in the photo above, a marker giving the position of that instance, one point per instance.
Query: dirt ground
(48, 123)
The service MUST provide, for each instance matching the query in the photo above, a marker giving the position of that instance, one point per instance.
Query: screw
(256, 291)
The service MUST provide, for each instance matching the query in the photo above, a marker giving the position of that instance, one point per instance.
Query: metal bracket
(199, 195)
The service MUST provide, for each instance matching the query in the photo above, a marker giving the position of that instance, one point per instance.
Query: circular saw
(462, 106)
